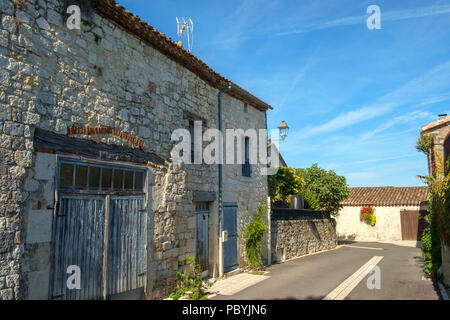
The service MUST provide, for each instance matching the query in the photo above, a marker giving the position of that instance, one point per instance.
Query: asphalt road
(315, 276)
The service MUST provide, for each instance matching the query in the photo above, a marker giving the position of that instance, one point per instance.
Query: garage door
(103, 235)
(413, 224)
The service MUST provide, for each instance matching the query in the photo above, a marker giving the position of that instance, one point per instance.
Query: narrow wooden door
(230, 261)
(410, 225)
(202, 235)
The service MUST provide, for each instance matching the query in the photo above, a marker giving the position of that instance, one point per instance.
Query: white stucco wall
(388, 226)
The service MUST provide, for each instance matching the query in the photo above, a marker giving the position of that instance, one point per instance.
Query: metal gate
(413, 224)
(230, 261)
(202, 235)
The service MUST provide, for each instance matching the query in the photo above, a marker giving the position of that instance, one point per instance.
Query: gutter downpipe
(220, 201)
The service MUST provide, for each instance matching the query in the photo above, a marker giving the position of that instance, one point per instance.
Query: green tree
(283, 184)
(424, 144)
(328, 188)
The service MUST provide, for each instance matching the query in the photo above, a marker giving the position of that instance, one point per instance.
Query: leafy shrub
(253, 235)
(424, 144)
(310, 199)
(441, 208)
(283, 184)
(367, 214)
(190, 283)
(328, 188)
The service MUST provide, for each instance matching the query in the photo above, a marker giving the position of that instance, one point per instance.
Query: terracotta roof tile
(386, 196)
(436, 124)
(134, 24)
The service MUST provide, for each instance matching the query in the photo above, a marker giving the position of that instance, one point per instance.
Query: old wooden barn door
(412, 224)
(202, 235)
(100, 229)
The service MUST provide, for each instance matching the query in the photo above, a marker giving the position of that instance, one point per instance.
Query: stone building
(87, 183)
(397, 211)
(439, 130)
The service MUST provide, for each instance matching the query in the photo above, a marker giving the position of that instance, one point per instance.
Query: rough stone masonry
(105, 75)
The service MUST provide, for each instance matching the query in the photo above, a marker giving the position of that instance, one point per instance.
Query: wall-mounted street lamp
(284, 130)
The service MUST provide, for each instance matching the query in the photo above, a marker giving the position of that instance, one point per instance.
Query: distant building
(439, 130)
(271, 146)
(397, 211)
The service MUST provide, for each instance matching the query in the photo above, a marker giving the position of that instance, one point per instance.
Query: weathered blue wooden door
(100, 227)
(127, 236)
(230, 261)
(78, 239)
(202, 235)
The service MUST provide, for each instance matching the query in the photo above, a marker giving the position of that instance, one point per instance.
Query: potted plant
(367, 215)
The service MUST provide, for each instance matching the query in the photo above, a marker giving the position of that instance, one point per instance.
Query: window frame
(246, 166)
(100, 189)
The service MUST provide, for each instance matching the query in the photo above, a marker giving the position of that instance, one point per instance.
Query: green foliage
(424, 143)
(431, 246)
(311, 201)
(441, 207)
(190, 283)
(328, 188)
(253, 235)
(283, 184)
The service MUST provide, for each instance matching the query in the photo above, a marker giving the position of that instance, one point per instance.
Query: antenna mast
(186, 27)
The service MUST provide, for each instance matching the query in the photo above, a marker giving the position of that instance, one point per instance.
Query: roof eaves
(161, 42)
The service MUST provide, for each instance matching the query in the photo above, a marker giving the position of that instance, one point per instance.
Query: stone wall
(387, 228)
(247, 192)
(446, 263)
(292, 238)
(102, 75)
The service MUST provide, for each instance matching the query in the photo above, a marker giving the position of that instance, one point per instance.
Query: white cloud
(437, 78)
(385, 16)
(397, 120)
(350, 118)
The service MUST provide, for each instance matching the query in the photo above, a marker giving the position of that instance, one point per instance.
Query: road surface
(342, 274)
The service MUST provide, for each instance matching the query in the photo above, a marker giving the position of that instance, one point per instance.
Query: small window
(84, 176)
(138, 181)
(202, 206)
(118, 179)
(245, 108)
(191, 132)
(94, 178)
(128, 180)
(81, 176)
(106, 178)
(246, 167)
(66, 175)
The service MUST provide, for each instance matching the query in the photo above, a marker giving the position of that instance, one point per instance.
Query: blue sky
(354, 98)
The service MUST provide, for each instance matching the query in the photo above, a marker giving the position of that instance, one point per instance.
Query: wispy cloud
(397, 120)
(385, 16)
(352, 163)
(300, 74)
(435, 79)
(350, 118)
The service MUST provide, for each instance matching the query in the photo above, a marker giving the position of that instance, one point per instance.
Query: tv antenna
(186, 27)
